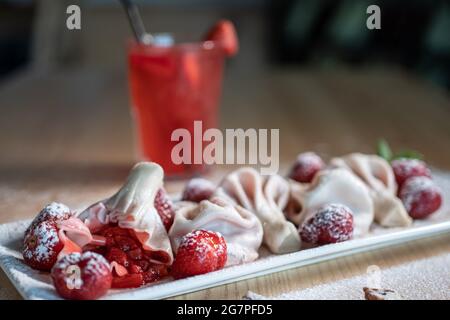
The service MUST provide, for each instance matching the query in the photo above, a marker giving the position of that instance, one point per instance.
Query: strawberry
(42, 245)
(224, 33)
(82, 276)
(306, 166)
(198, 189)
(123, 247)
(164, 206)
(330, 224)
(52, 212)
(407, 168)
(420, 196)
(199, 252)
(117, 255)
(134, 280)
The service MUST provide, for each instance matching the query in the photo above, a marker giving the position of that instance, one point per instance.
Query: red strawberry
(125, 243)
(306, 166)
(420, 196)
(199, 252)
(82, 276)
(224, 33)
(128, 281)
(134, 268)
(135, 254)
(198, 189)
(407, 168)
(331, 223)
(164, 206)
(117, 255)
(42, 245)
(51, 212)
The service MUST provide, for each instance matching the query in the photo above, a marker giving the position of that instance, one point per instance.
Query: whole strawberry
(164, 206)
(420, 196)
(199, 252)
(407, 168)
(198, 189)
(330, 224)
(82, 276)
(306, 166)
(224, 33)
(42, 245)
(52, 212)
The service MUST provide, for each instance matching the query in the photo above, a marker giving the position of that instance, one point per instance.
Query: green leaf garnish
(383, 150)
(409, 154)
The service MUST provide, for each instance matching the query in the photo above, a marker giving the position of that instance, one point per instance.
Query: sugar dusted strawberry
(42, 245)
(330, 224)
(52, 212)
(407, 168)
(420, 196)
(224, 33)
(83, 276)
(199, 252)
(198, 189)
(164, 206)
(306, 166)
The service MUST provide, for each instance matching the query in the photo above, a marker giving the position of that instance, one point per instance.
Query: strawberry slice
(134, 280)
(224, 33)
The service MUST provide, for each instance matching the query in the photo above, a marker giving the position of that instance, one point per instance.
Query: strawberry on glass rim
(224, 33)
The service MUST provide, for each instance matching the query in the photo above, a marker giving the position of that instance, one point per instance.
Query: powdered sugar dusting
(422, 279)
(334, 219)
(306, 166)
(200, 183)
(202, 243)
(413, 187)
(409, 167)
(94, 263)
(198, 189)
(52, 212)
(40, 244)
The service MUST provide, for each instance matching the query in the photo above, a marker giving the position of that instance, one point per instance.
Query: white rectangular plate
(33, 284)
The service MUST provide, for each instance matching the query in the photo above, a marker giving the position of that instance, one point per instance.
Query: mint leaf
(383, 150)
(410, 154)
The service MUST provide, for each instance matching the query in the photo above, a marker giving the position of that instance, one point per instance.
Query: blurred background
(308, 67)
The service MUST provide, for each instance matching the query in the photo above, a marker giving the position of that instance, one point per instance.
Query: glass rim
(207, 46)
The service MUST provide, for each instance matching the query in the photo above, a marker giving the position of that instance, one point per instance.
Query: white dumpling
(240, 228)
(133, 207)
(266, 198)
(378, 175)
(338, 186)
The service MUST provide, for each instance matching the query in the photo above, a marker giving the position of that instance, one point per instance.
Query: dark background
(322, 33)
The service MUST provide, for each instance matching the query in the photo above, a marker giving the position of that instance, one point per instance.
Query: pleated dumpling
(378, 175)
(132, 207)
(335, 186)
(266, 198)
(240, 228)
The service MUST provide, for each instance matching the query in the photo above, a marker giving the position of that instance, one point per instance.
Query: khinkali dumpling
(332, 186)
(266, 198)
(133, 207)
(378, 175)
(241, 229)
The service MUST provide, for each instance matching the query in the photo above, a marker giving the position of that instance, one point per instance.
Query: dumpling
(266, 198)
(241, 229)
(378, 175)
(133, 207)
(332, 186)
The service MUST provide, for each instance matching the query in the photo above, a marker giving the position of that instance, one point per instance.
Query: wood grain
(67, 136)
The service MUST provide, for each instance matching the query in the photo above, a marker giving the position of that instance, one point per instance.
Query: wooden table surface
(67, 136)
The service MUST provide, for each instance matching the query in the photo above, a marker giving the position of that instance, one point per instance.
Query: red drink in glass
(171, 87)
